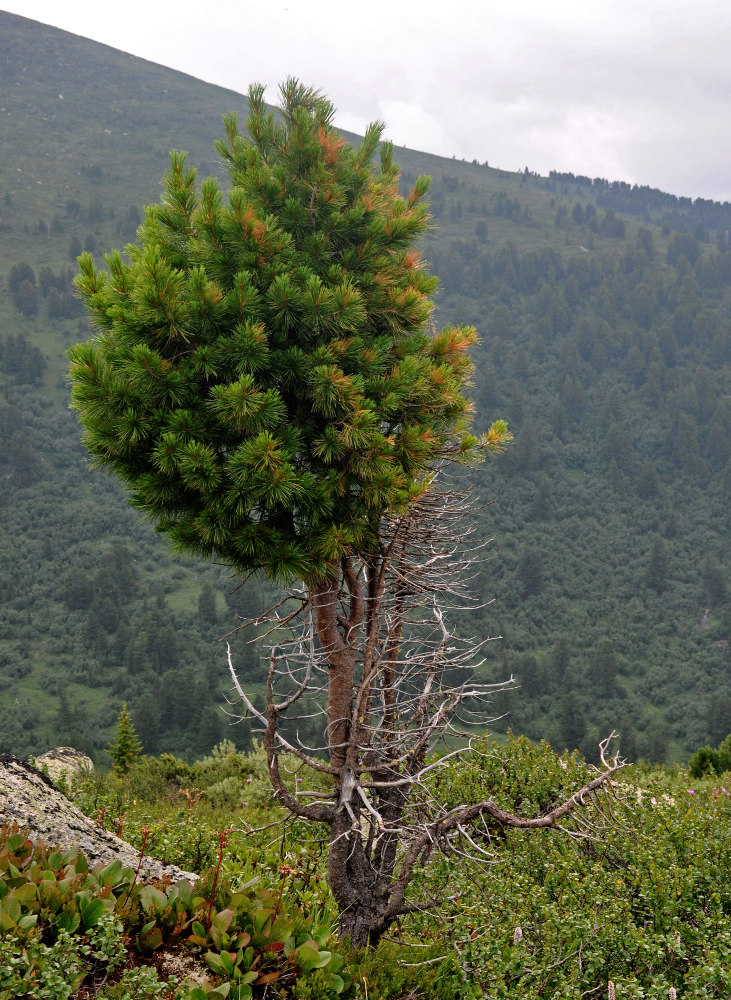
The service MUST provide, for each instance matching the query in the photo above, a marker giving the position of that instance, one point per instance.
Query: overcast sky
(634, 90)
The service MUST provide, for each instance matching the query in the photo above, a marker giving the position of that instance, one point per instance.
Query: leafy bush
(707, 761)
(63, 924)
(646, 906)
(55, 971)
(143, 984)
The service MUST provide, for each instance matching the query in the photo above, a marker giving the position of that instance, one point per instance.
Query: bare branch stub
(372, 653)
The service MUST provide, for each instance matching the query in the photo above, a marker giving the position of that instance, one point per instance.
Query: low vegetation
(647, 907)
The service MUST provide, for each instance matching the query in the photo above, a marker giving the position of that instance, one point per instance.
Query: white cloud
(618, 88)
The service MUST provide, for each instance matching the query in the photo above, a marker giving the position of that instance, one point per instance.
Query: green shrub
(707, 761)
(28, 967)
(647, 905)
(144, 984)
(251, 937)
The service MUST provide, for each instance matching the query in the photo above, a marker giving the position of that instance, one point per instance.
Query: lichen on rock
(63, 764)
(29, 798)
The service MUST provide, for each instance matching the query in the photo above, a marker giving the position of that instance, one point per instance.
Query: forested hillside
(605, 320)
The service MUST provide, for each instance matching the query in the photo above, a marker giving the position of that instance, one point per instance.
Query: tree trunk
(360, 889)
(341, 669)
(361, 923)
(353, 880)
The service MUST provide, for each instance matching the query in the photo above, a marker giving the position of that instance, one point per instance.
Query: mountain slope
(604, 312)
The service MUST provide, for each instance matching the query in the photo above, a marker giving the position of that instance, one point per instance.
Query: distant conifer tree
(658, 567)
(207, 604)
(126, 747)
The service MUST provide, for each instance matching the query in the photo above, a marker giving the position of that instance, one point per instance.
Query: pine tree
(267, 383)
(604, 667)
(530, 573)
(125, 748)
(207, 604)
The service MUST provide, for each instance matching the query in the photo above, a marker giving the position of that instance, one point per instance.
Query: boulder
(63, 764)
(29, 798)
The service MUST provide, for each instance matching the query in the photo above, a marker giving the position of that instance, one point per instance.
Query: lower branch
(439, 831)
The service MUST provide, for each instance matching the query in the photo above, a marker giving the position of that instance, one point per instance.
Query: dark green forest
(605, 319)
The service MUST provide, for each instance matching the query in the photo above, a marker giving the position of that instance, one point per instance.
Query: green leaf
(11, 908)
(281, 929)
(214, 963)
(24, 893)
(321, 935)
(222, 919)
(241, 896)
(91, 912)
(259, 919)
(240, 991)
(226, 963)
(82, 898)
(307, 957)
(150, 939)
(336, 962)
(182, 892)
(111, 875)
(151, 897)
(68, 922)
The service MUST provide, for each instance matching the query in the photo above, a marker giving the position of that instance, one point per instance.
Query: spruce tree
(207, 604)
(658, 567)
(125, 748)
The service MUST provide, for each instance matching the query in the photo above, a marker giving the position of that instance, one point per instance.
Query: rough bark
(363, 922)
(30, 799)
(340, 655)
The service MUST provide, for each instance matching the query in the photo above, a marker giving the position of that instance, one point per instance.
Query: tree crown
(265, 379)
(126, 747)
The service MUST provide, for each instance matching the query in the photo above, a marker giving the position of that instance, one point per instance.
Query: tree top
(266, 379)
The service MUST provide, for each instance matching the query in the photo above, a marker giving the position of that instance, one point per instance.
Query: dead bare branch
(369, 663)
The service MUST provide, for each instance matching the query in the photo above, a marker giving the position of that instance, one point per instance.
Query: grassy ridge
(604, 314)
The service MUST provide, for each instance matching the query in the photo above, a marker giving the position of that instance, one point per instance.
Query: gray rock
(29, 798)
(63, 764)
